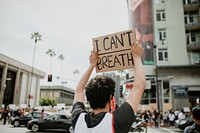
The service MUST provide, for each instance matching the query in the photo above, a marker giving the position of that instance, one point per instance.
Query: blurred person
(99, 93)
(161, 117)
(181, 114)
(26, 111)
(195, 128)
(165, 118)
(9, 115)
(156, 117)
(150, 118)
(176, 114)
(5, 114)
(1, 114)
(171, 118)
(145, 116)
(63, 111)
(22, 112)
(42, 113)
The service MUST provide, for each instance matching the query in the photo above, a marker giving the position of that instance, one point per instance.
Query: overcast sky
(66, 26)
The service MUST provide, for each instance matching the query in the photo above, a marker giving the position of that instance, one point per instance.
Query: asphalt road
(10, 129)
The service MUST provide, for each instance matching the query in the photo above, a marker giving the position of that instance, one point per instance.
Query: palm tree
(37, 37)
(76, 72)
(61, 58)
(51, 53)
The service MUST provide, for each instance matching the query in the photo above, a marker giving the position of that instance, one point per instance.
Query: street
(11, 129)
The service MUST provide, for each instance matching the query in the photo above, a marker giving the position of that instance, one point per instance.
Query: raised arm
(136, 93)
(79, 92)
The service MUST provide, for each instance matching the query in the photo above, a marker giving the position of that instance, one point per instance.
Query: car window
(29, 115)
(63, 117)
(53, 117)
(45, 114)
(35, 114)
(38, 114)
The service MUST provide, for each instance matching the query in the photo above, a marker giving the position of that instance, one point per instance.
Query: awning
(194, 88)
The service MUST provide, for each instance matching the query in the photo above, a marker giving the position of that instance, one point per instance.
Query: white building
(172, 56)
(19, 83)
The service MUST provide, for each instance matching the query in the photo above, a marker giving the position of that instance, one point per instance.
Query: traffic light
(49, 78)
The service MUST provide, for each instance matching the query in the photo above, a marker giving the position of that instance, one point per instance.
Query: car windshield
(28, 115)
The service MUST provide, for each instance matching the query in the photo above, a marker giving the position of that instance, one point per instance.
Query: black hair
(99, 90)
(196, 112)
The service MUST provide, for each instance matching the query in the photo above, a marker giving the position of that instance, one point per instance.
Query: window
(189, 1)
(159, 1)
(191, 36)
(61, 94)
(162, 34)
(162, 55)
(191, 17)
(166, 91)
(160, 15)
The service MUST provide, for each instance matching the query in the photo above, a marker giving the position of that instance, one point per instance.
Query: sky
(67, 27)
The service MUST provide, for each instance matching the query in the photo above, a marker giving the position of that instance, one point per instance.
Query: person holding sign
(99, 93)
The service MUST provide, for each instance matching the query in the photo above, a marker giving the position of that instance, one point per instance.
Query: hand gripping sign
(114, 51)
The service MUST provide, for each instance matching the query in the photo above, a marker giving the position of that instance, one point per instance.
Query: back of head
(99, 90)
(196, 112)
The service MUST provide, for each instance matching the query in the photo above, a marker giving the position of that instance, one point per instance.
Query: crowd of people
(159, 118)
(6, 113)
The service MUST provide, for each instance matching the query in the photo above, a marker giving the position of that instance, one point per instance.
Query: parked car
(183, 123)
(18, 121)
(55, 122)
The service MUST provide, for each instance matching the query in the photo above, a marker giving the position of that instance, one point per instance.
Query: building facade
(19, 83)
(61, 94)
(172, 65)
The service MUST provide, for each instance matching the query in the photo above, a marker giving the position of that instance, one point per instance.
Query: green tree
(45, 101)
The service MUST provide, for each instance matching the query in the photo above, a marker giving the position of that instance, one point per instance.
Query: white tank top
(105, 126)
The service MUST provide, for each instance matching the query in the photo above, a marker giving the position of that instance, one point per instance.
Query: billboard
(140, 18)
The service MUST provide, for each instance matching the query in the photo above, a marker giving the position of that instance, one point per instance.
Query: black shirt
(123, 117)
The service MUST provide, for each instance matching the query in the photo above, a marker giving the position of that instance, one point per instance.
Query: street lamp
(159, 99)
(156, 72)
(37, 37)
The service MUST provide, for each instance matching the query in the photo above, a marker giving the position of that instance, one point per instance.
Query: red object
(113, 104)
(129, 86)
(30, 96)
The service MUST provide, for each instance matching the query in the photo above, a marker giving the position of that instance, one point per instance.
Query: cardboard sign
(114, 51)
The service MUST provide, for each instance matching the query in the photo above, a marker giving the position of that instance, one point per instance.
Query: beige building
(19, 83)
(61, 93)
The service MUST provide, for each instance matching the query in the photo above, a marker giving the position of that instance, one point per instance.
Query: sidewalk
(163, 130)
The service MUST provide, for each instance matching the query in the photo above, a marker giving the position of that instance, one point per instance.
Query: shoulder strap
(88, 119)
(113, 126)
